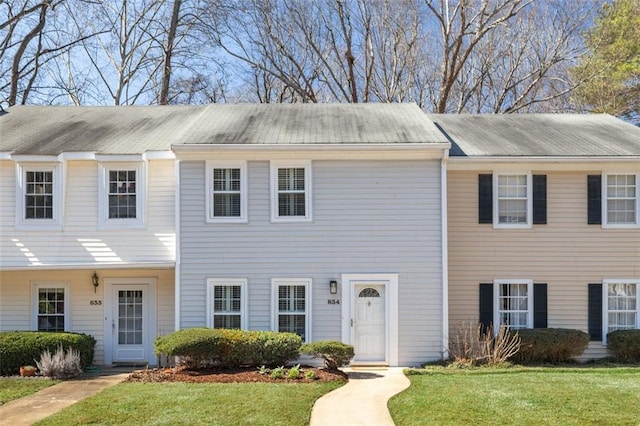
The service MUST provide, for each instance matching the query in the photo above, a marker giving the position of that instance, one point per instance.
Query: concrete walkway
(363, 400)
(48, 401)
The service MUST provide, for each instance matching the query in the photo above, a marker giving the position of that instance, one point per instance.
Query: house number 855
(95, 302)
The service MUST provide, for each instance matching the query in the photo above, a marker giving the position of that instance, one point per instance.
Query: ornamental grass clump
(61, 364)
(473, 344)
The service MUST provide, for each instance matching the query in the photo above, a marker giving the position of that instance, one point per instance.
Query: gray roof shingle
(51, 130)
(522, 135)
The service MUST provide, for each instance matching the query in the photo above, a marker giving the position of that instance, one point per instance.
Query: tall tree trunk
(168, 52)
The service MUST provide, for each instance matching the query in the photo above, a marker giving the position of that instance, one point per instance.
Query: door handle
(351, 322)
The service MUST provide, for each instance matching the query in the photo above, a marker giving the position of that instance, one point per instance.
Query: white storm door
(369, 326)
(130, 322)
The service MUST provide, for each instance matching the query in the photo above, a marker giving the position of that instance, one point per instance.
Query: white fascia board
(203, 148)
(78, 156)
(128, 265)
(540, 163)
(36, 158)
(5, 155)
(119, 157)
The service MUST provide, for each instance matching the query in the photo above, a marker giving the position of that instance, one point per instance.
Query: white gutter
(418, 146)
(71, 266)
(445, 254)
(542, 159)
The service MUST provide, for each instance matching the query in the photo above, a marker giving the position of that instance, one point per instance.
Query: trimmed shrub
(624, 345)
(274, 348)
(200, 347)
(335, 354)
(554, 345)
(25, 348)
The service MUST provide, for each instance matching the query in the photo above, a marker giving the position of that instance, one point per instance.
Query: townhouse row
(373, 224)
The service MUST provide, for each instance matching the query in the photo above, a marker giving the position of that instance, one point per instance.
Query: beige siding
(567, 254)
(81, 242)
(17, 295)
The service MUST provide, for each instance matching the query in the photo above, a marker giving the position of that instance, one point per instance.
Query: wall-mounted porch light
(95, 281)
(333, 287)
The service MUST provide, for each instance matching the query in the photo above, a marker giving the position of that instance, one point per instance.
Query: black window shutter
(539, 305)
(485, 198)
(595, 311)
(594, 199)
(486, 305)
(539, 199)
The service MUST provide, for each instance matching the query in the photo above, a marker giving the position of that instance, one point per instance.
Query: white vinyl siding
(291, 191)
(354, 228)
(620, 300)
(51, 307)
(513, 304)
(291, 306)
(226, 191)
(512, 200)
(39, 192)
(227, 303)
(84, 241)
(621, 201)
(122, 195)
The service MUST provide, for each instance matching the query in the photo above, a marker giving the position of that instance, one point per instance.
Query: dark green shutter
(595, 312)
(539, 305)
(486, 305)
(594, 199)
(485, 198)
(539, 199)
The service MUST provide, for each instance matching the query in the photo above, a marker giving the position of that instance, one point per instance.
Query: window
(513, 299)
(621, 207)
(39, 196)
(291, 302)
(122, 194)
(226, 192)
(620, 305)
(291, 191)
(513, 200)
(51, 310)
(227, 301)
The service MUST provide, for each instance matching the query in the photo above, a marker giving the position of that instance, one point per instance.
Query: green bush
(230, 348)
(25, 348)
(335, 354)
(554, 345)
(624, 345)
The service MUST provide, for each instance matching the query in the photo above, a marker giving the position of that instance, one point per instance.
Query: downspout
(445, 255)
(176, 298)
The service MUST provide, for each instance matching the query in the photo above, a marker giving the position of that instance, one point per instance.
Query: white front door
(130, 322)
(369, 337)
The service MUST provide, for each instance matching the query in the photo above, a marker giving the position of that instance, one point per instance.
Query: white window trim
(274, 166)
(244, 299)
(242, 165)
(277, 282)
(55, 223)
(605, 201)
(496, 212)
(605, 303)
(496, 304)
(34, 302)
(104, 222)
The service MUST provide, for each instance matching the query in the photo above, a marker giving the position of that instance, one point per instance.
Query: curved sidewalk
(363, 400)
(48, 401)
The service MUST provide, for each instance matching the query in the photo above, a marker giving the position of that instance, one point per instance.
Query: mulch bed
(240, 375)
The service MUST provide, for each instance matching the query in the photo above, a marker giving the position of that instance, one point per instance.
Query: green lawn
(520, 396)
(196, 404)
(13, 388)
